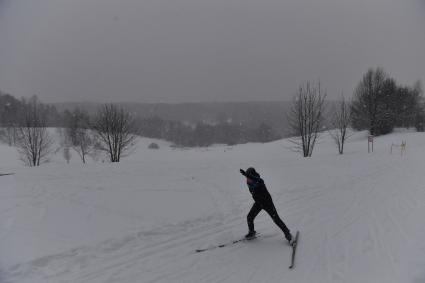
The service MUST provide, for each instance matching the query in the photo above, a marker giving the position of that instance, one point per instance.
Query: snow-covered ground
(361, 216)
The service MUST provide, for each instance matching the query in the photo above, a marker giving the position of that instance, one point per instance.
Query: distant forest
(250, 114)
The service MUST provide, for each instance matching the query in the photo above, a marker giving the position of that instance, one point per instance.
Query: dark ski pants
(271, 210)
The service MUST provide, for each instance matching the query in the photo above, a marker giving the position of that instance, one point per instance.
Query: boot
(250, 235)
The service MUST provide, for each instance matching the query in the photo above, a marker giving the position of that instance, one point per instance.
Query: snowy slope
(361, 215)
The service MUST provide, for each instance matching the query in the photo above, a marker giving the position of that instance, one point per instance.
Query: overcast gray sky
(203, 50)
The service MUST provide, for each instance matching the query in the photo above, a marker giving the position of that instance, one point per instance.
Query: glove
(242, 172)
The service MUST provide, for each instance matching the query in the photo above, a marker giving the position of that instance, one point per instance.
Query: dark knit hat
(251, 172)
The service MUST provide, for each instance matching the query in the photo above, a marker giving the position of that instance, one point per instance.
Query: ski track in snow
(359, 221)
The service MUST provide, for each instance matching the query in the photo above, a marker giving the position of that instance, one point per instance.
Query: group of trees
(379, 104)
(112, 131)
(24, 124)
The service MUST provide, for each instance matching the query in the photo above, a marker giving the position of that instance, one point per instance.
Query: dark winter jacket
(258, 189)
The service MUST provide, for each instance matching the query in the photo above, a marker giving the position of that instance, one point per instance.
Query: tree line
(378, 105)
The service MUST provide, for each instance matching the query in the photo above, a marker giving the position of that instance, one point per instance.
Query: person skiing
(262, 200)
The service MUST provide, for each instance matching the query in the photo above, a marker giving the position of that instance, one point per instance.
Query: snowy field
(361, 216)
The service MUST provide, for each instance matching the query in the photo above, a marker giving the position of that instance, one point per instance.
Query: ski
(294, 249)
(229, 243)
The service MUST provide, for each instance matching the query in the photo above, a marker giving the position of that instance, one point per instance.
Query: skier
(262, 200)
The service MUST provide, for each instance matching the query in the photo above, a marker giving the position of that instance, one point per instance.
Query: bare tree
(78, 134)
(66, 154)
(340, 122)
(34, 142)
(305, 117)
(83, 144)
(115, 131)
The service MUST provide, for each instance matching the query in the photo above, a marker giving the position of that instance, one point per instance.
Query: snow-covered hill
(361, 215)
